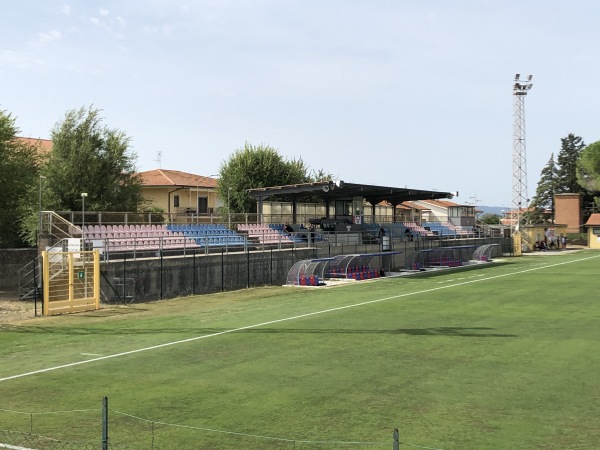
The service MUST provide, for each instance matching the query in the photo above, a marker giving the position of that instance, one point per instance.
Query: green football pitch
(498, 356)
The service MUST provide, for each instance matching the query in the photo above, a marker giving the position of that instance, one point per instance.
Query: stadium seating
(125, 238)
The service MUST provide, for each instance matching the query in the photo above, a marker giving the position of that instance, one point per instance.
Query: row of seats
(418, 229)
(119, 238)
(266, 234)
(444, 229)
(444, 261)
(312, 280)
(198, 227)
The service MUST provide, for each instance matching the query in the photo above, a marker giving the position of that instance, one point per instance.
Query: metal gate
(71, 281)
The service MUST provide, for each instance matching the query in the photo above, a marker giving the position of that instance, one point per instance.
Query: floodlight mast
(519, 167)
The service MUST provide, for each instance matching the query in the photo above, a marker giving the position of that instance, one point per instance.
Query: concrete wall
(11, 261)
(155, 278)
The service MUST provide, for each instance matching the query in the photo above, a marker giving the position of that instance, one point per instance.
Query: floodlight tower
(519, 166)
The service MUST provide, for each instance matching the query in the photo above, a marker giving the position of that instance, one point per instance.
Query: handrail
(27, 274)
(53, 224)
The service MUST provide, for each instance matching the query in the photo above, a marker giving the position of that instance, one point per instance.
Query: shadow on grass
(434, 272)
(480, 332)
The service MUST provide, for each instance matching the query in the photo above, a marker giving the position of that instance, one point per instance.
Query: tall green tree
(18, 174)
(588, 170)
(254, 167)
(87, 156)
(543, 201)
(571, 147)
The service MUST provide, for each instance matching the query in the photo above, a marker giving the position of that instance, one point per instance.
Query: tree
(490, 219)
(571, 147)
(543, 201)
(255, 167)
(90, 157)
(588, 170)
(18, 175)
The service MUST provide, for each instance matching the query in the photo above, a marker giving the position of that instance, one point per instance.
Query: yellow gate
(71, 281)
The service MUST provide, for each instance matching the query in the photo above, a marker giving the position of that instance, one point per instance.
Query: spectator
(563, 241)
(288, 228)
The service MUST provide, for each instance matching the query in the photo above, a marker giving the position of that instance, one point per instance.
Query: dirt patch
(15, 310)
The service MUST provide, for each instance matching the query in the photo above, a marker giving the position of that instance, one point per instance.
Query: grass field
(503, 356)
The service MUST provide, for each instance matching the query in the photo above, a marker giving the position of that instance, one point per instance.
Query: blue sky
(413, 93)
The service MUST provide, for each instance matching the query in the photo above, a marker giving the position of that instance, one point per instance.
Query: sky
(401, 93)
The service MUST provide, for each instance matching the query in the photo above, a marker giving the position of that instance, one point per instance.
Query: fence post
(247, 270)
(161, 273)
(194, 272)
(35, 287)
(105, 423)
(396, 439)
(222, 271)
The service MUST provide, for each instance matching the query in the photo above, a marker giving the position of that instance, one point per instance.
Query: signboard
(81, 274)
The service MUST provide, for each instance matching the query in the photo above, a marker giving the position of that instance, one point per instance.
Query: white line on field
(14, 447)
(270, 322)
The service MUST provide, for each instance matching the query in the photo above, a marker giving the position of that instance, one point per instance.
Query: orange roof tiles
(594, 220)
(44, 145)
(412, 205)
(164, 177)
(441, 203)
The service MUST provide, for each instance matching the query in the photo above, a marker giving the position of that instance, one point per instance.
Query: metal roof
(329, 190)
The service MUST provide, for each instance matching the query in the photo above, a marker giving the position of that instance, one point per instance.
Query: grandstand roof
(329, 190)
(164, 177)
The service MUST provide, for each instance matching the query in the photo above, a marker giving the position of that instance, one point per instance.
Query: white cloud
(114, 26)
(19, 60)
(66, 9)
(156, 29)
(48, 37)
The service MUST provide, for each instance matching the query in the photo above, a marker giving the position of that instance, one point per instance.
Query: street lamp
(42, 177)
(83, 196)
(228, 208)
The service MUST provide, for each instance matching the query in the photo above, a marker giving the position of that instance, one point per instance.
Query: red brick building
(567, 210)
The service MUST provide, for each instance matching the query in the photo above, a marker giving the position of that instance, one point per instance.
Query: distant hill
(491, 209)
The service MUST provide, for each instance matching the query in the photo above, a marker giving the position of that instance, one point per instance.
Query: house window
(176, 201)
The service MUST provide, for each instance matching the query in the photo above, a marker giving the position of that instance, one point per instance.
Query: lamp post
(42, 177)
(228, 208)
(83, 196)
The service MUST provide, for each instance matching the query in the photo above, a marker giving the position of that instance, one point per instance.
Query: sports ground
(497, 356)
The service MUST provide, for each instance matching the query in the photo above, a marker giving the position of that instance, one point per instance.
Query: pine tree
(543, 201)
(567, 164)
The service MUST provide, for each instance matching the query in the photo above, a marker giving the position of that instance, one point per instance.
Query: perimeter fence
(90, 430)
(163, 277)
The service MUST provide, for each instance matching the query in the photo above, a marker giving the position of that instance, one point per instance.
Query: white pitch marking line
(14, 447)
(270, 322)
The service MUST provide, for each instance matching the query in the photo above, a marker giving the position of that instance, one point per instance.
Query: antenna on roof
(158, 158)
